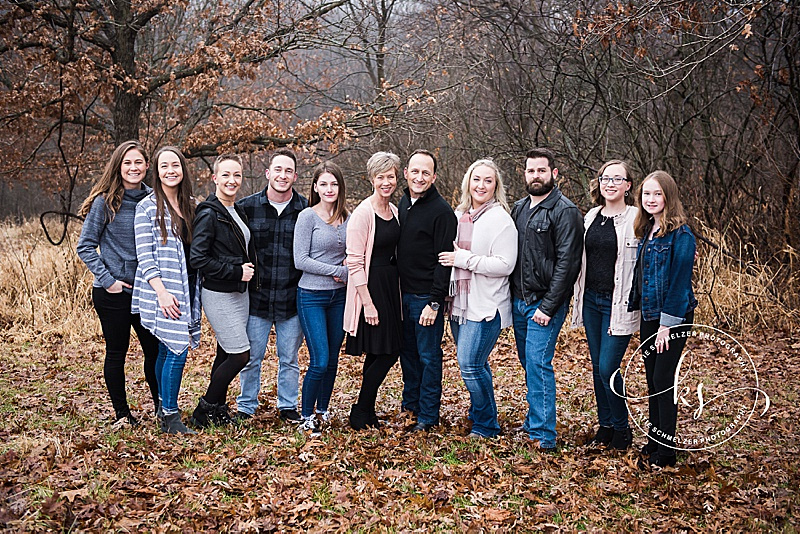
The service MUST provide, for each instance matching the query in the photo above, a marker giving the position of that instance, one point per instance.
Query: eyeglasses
(616, 180)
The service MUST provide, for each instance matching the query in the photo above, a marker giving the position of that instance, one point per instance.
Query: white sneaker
(309, 426)
(325, 416)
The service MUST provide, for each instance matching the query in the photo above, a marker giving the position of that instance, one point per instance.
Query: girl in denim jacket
(662, 290)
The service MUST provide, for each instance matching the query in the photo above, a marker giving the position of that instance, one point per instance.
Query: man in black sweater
(427, 227)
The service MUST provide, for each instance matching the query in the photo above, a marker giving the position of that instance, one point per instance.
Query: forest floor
(62, 466)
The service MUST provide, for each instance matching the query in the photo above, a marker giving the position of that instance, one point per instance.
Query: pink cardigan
(360, 239)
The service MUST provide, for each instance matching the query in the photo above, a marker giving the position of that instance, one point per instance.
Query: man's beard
(539, 189)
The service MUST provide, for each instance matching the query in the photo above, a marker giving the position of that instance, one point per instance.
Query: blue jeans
(536, 346)
(321, 314)
(474, 342)
(607, 352)
(169, 372)
(421, 360)
(289, 337)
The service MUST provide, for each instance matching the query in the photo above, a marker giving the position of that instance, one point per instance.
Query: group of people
(387, 278)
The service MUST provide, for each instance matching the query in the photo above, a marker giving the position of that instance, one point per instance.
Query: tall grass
(739, 290)
(45, 290)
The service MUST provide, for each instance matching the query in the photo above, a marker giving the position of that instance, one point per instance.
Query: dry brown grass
(63, 468)
(740, 295)
(44, 290)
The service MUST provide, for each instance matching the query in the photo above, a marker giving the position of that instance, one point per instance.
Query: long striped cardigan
(168, 261)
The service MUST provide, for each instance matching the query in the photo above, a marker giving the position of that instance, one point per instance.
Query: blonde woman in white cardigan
(480, 298)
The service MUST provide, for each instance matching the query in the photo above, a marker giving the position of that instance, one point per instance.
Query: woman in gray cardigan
(108, 248)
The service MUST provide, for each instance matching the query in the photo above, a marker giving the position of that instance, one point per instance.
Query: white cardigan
(491, 260)
(622, 321)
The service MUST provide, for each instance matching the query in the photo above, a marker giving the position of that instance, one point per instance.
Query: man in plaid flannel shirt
(272, 214)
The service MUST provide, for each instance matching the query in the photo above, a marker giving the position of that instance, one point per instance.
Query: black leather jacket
(218, 248)
(550, 251)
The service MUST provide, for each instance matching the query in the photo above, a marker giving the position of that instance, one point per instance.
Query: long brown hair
(594, 185)
(340, 212)
(673, 216)
(110, 182)
(180, 227)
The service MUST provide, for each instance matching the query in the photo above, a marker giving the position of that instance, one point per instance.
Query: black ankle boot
(221, 416)
(202, 416)
(604, 436)
(622, 439)
(657, 460)
(359, 418)
(649, 448)
(372, 419)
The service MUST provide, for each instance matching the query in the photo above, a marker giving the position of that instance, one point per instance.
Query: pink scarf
(460, 278)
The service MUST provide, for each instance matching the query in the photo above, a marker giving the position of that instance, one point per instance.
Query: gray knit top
(319, 251)
(116, 257)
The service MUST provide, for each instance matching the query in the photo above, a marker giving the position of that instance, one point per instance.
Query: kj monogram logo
(715, 388)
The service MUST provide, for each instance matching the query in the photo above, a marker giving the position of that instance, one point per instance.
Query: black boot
(604, 436)
(174, 425)
(221, 416)
(622, 439)
(649, 448)
(203, 414)
(359, 418)
(372, 419)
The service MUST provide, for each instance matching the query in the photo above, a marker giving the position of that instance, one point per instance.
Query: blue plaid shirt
(273, 237)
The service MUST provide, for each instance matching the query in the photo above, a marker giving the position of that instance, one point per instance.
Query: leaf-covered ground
(63, 468)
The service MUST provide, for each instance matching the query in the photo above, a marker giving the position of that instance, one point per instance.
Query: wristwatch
(434, 306)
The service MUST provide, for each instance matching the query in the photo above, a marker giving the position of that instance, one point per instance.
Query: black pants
(660, 373)
(226, 367)
(114, 311)
(376, 367)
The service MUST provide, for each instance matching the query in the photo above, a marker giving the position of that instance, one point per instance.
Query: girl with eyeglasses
(600, 303)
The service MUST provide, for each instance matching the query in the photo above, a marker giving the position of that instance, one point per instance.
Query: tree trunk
(127, 111)
(128, 105)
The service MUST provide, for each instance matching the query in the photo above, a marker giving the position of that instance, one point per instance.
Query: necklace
(606, 219)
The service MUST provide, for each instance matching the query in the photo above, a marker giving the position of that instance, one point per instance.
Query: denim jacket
(662, 285)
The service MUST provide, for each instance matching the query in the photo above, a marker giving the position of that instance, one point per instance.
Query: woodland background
(708, 91)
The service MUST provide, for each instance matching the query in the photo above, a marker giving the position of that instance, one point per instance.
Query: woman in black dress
(372, 316)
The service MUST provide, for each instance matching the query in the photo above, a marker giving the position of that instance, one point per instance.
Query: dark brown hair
(181, 227)
(340, 212)
(284, 152)
(110, 183)
(543, 153)
(673, 216)
(594, 185)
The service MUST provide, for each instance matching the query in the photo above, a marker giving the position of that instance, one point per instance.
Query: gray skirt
(228, 313)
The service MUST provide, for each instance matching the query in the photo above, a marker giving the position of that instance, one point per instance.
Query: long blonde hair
(673, 216)
(499, 189)
(110, 182)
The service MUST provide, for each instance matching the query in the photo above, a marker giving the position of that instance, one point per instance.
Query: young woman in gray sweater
(319, 252)
(108, 248)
